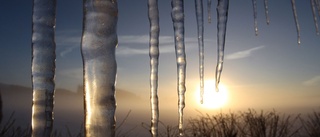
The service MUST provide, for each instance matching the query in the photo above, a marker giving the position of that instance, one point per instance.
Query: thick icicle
(266, 11)
(314, 15)
(254, 3)
(99, 40)
(177, 15)
(199, 16)
(43, 66)
(209, 10)
(222, 12)
(296, 19)
(153, 13)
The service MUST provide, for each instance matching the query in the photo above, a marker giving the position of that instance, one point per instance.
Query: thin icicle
(177, 15)
(266, 11)
(318, 6)
(99, 40)
(43, 66)
(153, 13)
(296, 19)
(209, 10)
(254, 3)
(199, 16)
(222, 12)
(314, 15)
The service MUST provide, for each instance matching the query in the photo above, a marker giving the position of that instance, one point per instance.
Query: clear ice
(177, 15)
(314, 13)
(200, 27)
(209, 10)
(254, 3)
(99, 40)
(153, 13)
(293, 3)
(266, 11)
(222, 12)
(43, 66)
(317, 2)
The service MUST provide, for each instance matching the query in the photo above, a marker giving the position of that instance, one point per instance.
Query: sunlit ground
(211, 98)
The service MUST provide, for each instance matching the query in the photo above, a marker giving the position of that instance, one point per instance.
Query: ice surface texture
(99, 40)
(43, 66)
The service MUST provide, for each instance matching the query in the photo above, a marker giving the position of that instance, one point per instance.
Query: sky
(266, 71)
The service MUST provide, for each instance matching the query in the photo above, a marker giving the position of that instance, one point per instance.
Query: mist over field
(68, 109)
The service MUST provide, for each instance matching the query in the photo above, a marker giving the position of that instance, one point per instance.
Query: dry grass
(249, 123)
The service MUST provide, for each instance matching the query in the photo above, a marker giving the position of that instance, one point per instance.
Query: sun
(211, 98)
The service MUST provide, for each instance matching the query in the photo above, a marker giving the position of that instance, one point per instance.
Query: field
(250, 123)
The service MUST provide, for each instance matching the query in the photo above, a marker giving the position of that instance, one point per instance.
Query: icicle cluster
(99, 41)
(177, 15)
(43, 66)
(153, 13)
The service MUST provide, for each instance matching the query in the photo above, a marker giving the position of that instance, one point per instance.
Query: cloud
(142, 39)
(313, 81)
(139, 44)
(243, 54)
(67, 41)
(143, 51)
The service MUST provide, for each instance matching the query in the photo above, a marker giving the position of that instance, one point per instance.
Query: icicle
(177, 15)
(154, 56)
(199, 16)
(209, 10)
(254, 3)
(266, 11)
(318, 6)
(222, 12)
(99, 40)
(296, 19)
(43, 66)
(314, 15)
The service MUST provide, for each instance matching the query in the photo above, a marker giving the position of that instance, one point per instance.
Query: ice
(43, 66)
(200, 27)
(153, 13)
(314, 13)
(222, 12)
(293, 3)
(254, 3)
(99, 41)
(266, 11)
(317, 2)
(209, 10)
(177, 15)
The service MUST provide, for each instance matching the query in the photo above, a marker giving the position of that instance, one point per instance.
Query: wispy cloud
(67, 41)
(139, 44)
(313, 81)
(243, 54)
(142, 39)
(134, 51)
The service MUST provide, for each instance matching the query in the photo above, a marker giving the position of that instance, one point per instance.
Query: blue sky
(257, 69)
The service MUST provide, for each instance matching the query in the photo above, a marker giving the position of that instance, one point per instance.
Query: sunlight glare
(211, 98)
